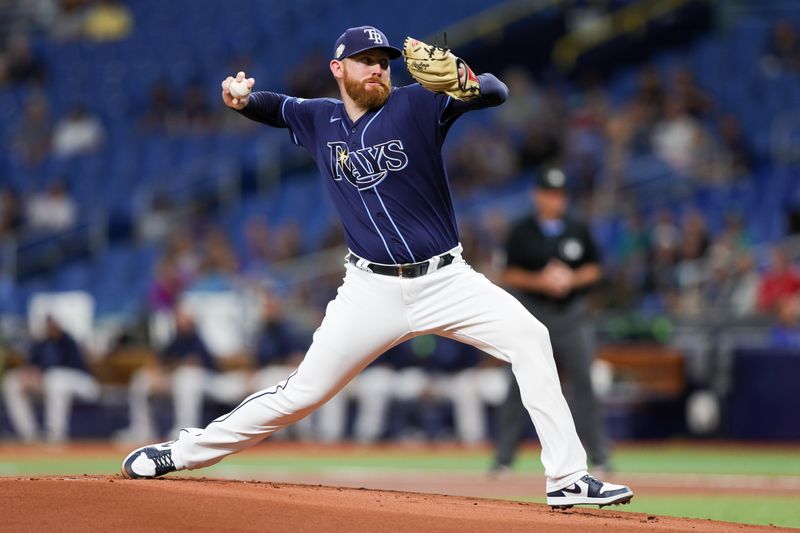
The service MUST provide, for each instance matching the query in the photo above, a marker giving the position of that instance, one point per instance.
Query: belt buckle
(407, 271)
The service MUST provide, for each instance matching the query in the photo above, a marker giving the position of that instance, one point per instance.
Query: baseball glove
(438, 70)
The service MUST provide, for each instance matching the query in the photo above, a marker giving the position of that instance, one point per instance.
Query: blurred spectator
(158, 218)
(739, 296)
(163, 114)
(197, 114)
(256, 254)
(218, 265)
(52, 210)
(166, 286)
(372, 391)
(287, 241)
(782, 51)
(70, 21)
(10, 212)
(691, 264)
(786, 333)
(471, 381)
(32, 15)
(187, 257)
(678, 138)
(542, 139)
(696, 239)
(21, 65)
(108, 20)
(629, 133)
(525, 104)
(622, 289)
(482, 158)
(585, 143)
(650, 91)
(279, 349)
(541, 145)
(663, 255)
(779, 282)
(685, 89)
(187, 370)
(77, 133)
(56, 369)
(33, 133)
(735, 146)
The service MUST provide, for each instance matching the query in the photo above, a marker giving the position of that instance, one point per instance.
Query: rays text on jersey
(368, 166)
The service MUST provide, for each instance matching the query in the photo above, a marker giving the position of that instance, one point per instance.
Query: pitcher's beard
(368, 99)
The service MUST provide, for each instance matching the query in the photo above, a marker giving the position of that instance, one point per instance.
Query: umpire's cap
(356, 40)
(552, 179)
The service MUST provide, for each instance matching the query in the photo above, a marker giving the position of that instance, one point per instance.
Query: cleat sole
(624, 501)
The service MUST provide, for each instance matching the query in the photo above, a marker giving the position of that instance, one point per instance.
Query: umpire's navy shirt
(385, 172)
(531, 245)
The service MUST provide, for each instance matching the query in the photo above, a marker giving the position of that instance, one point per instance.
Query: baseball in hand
(239, 89)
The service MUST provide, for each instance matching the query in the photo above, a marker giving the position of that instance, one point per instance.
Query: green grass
(56, 466)
(676, 459)
(783, 511)
(691, 460)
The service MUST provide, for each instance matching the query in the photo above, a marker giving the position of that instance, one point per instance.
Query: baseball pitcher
(379, 151)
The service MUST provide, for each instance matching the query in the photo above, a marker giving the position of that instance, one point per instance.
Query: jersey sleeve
(424, 104)
(446, 109)
(493, 93)
(299, 115)
(282, 111)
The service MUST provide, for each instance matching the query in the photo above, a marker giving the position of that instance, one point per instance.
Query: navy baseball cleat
(149, 461)
(589, 491)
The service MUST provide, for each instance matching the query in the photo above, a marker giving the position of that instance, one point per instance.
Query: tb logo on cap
(374, 35)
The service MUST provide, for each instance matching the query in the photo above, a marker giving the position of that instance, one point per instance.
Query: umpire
(551, 263)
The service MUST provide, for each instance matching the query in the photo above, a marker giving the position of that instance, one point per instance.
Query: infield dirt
(111, 503)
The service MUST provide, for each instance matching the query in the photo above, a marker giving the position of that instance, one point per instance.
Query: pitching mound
(111, 503)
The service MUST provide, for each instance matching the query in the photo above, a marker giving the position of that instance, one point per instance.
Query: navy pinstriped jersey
(385, 172)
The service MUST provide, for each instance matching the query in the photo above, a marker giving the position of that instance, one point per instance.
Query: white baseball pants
(373, 312)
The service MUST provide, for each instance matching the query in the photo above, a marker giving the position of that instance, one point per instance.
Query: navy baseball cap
(552, 179)
(360, 39)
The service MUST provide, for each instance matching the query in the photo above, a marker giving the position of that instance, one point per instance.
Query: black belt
(407, 270)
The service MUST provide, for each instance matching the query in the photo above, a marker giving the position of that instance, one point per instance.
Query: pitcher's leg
(268, 376)
(366, 318)
(467, 307)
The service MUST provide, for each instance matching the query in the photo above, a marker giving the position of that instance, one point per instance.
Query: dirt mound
(111, 503)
